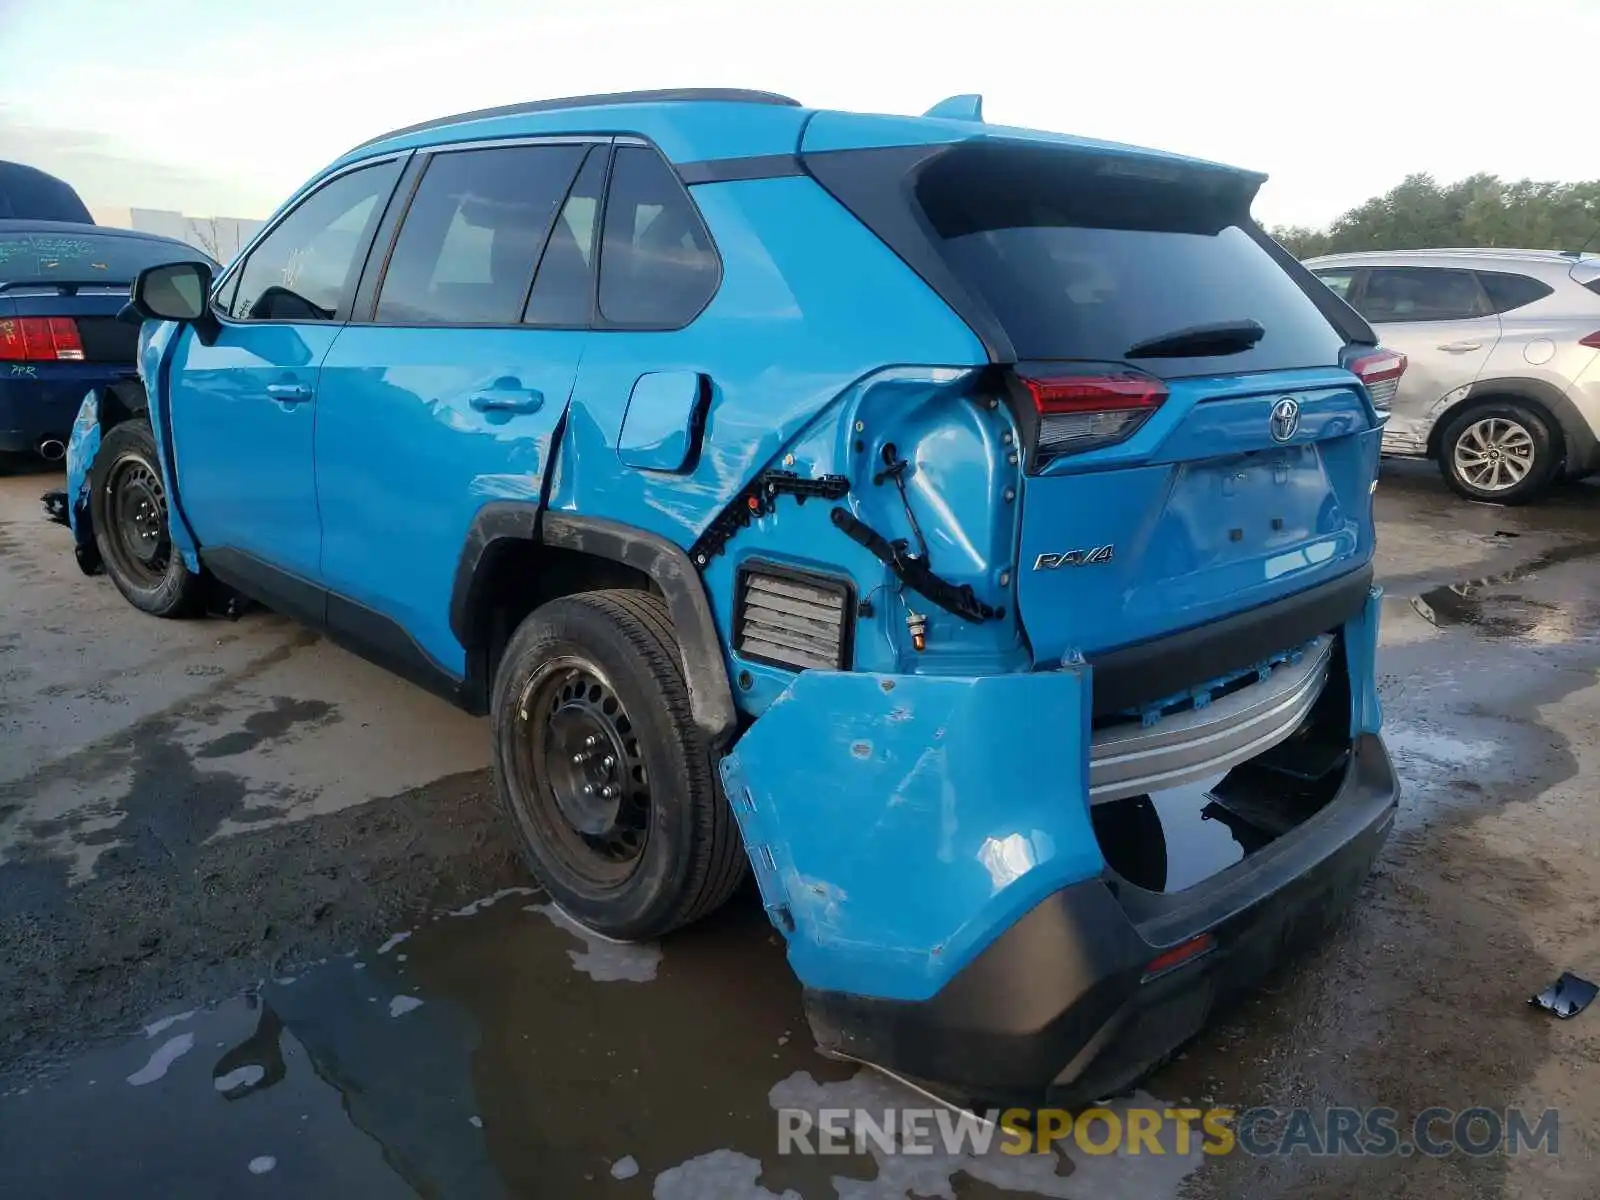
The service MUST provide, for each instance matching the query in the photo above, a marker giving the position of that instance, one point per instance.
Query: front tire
(1498, 453)
(128, 508)
(603, 771)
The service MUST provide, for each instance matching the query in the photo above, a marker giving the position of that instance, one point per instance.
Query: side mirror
(176, 292)
(172, 291)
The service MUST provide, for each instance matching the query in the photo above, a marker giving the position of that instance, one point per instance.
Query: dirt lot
(244, 945)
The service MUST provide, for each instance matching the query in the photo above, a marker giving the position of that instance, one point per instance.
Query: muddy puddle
(497, 1051)
(1464, 668)
(1535, 601)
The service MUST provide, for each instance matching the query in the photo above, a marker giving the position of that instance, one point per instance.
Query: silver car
(1502, 384)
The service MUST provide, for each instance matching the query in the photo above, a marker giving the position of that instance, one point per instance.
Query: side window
(1338, 282)
(299, 271)
(657, 267)
(470, 240)
(223, 298)
(1420, 294)
(1507, 291)
(563, 290)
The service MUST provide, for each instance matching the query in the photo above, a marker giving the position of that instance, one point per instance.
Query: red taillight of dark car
(40, 339)
(1087, 408)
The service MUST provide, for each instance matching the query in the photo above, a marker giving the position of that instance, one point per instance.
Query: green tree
(1480, 210)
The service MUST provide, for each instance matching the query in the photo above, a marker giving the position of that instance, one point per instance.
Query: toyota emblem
(1285, 420)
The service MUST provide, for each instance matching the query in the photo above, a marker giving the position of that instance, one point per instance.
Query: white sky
(223, 107)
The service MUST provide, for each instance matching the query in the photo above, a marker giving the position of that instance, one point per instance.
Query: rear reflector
(792, 618)
(40, 339)
(1381, 372)
(1088, 409)
(1592, 341)
(1181, 953)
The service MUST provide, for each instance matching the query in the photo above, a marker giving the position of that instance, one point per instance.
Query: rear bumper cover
(925, 844)
(1058, 1007)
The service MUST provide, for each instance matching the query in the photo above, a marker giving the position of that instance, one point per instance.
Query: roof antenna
(959, 108)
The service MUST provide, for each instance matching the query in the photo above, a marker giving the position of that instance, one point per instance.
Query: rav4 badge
(1073, 558)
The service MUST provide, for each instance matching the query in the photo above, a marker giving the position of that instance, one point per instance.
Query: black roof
(27, 192)
(659, 96)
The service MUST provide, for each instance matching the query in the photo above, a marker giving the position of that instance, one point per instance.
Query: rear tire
(128, 508)
(1499, 452)
(603, 771)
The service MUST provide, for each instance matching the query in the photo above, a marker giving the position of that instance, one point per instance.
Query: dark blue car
(62, 284)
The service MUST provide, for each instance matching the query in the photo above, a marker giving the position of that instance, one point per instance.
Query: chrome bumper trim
(1130, 760)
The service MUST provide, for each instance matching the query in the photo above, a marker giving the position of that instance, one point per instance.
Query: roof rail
(659, 96)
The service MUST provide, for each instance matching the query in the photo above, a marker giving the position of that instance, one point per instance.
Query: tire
(665, 850)
(1481, 450)
(128, 509)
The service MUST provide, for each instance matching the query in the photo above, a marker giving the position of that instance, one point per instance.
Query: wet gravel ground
(263, 931)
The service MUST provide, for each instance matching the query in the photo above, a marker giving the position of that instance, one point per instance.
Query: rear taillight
(1592, 341)
(40, 339)
(1380, 371)
(1085, 409)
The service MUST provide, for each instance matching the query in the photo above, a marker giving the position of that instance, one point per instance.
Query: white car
(1502, 386)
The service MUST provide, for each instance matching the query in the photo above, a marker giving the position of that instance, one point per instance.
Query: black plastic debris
(1567, 996)
(55, 507)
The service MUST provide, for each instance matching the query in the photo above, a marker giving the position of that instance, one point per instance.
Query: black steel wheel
(136, 531)
(603, 771)
(580, 754)
(128, 512)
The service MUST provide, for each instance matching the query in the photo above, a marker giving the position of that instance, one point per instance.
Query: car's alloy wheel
(1499, 452)
(1494, 454)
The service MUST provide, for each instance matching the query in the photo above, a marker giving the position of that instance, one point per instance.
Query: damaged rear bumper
(1064, 1006)
(927, 846)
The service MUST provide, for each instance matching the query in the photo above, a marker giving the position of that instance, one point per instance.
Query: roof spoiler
(967, 107)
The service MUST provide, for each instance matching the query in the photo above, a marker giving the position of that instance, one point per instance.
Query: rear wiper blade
(1200, 341)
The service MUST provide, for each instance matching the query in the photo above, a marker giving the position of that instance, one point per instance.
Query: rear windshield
(1084, 257)
(39, 256)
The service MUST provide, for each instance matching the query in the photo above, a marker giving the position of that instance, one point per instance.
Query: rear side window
(657, 266)
(1507, 291)
(300, 270)
(1083, 257)
(472, 236)
(1338, 282)
(1394, 294)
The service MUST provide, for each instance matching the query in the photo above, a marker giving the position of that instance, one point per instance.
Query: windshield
(78, 256)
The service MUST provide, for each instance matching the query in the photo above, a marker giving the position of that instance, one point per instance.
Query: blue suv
(954, 526)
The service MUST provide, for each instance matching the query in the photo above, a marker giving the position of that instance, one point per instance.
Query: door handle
(509, 400)
(289, 393)
(1461, 347)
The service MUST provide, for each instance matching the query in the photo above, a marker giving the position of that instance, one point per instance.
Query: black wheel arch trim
(1580, 446)
(665, 562)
